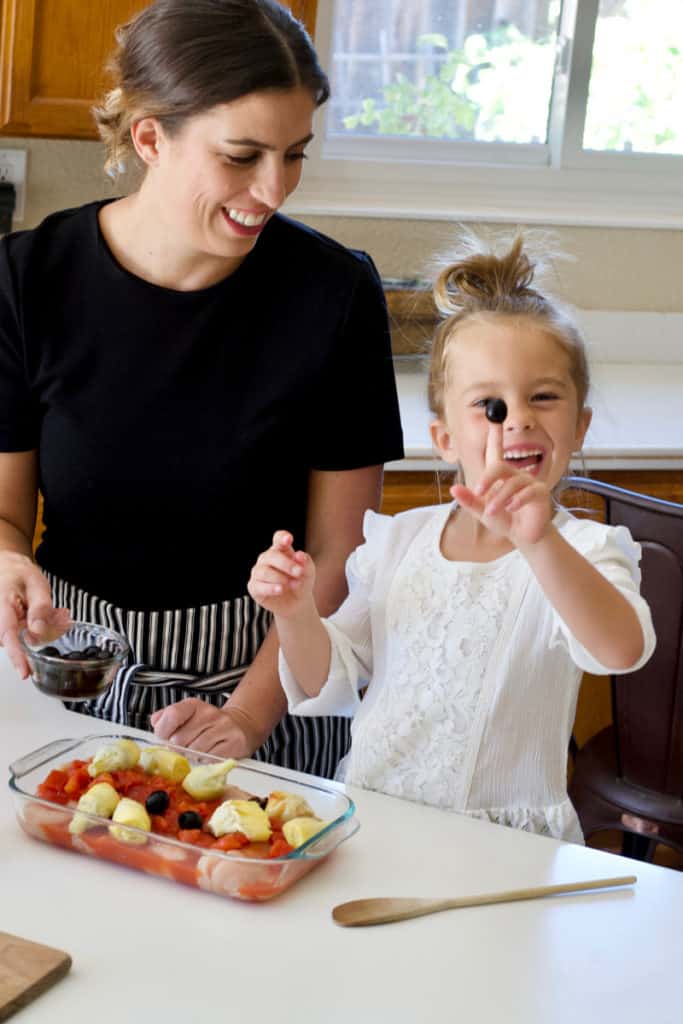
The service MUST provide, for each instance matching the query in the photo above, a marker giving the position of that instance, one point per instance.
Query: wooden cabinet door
(52, 55)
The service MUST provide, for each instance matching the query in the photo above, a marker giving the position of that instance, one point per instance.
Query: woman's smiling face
(516, 360)
(226, 172)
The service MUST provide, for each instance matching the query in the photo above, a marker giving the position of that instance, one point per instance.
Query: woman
(183, 369)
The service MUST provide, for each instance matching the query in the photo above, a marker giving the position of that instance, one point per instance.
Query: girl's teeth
(249, 220)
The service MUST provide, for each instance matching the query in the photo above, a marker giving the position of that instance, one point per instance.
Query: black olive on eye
(189, 819)
(157, 802)
(496, 410)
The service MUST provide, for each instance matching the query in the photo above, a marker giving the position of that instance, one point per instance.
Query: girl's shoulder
(386, 538)
(598, 541)
(378, 527)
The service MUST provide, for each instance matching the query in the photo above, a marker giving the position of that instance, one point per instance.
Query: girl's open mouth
(527, 459)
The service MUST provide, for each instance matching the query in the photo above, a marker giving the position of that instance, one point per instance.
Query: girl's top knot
(480, 280)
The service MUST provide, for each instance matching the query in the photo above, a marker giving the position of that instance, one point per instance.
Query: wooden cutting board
(26, 970)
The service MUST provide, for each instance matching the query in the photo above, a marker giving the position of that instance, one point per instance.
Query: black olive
(51, 651)
(496, 410)
(262, 801)
(157, 802)
(91, 651)
(189, 819)
(73, 656)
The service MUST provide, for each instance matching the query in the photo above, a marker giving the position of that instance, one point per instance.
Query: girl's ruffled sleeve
(350, 633)
(615, 554)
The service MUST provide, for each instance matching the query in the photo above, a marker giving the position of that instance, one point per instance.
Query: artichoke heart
(168, 764)
(207, 781)
(100, 799)
(116, 756)
(283, 807)
(241, 816)
(130, 812)
(299, 830)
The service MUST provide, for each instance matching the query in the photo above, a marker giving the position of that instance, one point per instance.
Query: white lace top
(473, 677)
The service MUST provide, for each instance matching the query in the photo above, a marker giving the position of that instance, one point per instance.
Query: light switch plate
(13, 169)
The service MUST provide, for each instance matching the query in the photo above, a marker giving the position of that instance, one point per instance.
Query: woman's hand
(26, 602)
(225, 732)
(509, 502)
(282, 579)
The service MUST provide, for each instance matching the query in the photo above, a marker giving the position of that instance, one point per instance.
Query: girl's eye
(294, 157)
(545, 396)
(481, 403)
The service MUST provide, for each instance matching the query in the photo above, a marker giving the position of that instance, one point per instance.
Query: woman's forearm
(598, 615)
(14, 540)
(259, 700)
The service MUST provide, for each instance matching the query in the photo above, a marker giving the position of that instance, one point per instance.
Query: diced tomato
(280, 848)
(79, 780)
(56, 796)
(195, 836)
(57, 779)
(232, 841)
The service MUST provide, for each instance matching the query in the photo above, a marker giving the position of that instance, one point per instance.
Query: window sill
(596, 198)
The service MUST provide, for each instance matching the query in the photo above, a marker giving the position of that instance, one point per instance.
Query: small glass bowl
(57, 672)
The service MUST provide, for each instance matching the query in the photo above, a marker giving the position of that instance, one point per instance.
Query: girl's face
(220, 179)
(517, 361)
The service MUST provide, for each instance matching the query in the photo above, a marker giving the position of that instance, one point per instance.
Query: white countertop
(637, 419)
(146, 950)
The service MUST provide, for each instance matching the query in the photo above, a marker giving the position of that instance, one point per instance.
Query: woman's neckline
(181, 294)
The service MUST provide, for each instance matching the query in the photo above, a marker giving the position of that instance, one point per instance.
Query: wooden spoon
(383, 911)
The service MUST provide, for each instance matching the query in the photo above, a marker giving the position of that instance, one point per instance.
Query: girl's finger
(468, 499)
(282, 539)
(500, 497)
(490, 478)
(529, 493)
(277, 561)
(493, 456)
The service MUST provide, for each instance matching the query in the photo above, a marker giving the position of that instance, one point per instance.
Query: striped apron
(197, 652)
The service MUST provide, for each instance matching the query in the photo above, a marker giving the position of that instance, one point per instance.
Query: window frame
(555, 183)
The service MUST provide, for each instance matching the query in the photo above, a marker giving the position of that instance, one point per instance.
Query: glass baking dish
(226, 874)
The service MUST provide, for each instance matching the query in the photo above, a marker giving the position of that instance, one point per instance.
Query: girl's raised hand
(282, 579)
(510, 502)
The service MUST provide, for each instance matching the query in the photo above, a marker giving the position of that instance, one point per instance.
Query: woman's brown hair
(481, 284)
(178, 58)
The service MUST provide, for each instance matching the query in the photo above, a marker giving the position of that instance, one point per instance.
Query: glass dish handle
(40, 756)
(331, 840)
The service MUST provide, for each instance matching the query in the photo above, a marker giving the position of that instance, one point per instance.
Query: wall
(612, 268)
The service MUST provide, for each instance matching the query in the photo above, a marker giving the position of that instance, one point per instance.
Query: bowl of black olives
(79, 665)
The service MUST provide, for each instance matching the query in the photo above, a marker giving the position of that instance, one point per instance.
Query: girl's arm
(596, 613)
(299, 587)
(516, 505)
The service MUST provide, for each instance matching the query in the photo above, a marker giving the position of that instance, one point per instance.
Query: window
(501, 109)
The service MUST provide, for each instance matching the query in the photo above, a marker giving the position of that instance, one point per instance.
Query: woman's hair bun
(477, 279)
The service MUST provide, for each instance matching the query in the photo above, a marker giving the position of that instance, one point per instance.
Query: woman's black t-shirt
(177, 430)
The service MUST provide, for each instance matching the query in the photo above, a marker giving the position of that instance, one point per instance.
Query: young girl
(471, 623)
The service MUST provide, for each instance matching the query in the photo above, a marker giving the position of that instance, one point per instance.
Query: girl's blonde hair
(178, 58)
(481, 284)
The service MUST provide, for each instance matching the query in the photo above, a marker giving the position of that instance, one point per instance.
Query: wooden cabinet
(52, 55)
